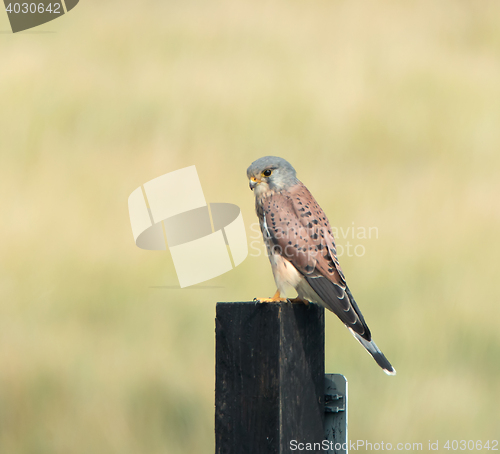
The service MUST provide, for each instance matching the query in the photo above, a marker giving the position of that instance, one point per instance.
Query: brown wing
(298, 229)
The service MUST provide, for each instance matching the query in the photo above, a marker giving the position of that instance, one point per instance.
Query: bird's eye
(267, 172)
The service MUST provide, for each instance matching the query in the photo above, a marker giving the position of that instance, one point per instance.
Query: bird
(301, 248)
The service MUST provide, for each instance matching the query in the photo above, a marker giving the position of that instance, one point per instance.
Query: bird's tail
(378, 356)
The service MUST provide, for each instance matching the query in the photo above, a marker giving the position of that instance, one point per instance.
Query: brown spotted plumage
(301, 247)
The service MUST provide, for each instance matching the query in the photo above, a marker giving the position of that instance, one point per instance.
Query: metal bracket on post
(336, 413)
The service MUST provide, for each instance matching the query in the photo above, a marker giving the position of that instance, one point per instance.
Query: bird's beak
(253, 182)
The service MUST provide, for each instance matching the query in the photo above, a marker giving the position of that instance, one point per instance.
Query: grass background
(389, 111)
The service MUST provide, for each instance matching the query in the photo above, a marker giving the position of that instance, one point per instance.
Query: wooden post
(270, 382)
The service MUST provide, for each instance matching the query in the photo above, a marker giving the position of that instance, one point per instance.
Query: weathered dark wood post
(270, 377)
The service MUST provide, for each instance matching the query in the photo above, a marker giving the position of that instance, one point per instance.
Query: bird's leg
(299, 301)
(275, 299)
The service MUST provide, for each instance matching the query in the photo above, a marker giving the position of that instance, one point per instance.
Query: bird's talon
(275, 299)
(270, 300)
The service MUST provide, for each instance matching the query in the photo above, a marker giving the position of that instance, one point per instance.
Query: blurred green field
(389, 111)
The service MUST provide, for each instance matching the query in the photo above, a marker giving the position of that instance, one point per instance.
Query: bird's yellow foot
(275, 299)
(299, 301)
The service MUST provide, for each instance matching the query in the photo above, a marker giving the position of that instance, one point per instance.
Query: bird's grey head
(271, 173)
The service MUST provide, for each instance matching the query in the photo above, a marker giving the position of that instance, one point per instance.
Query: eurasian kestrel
(301, 247)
